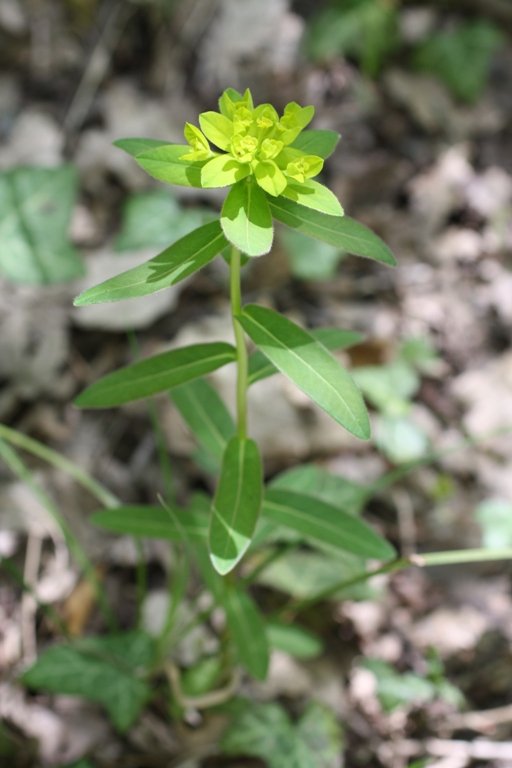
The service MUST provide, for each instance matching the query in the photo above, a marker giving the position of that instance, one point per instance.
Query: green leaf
(248, 631)
(400, 439)
(316, 481)
(309, 365)
(316, 519)
(294, 640)
(156, 374)
(217, 128)
(135, 147)
(223, 171)
(102, 670)
(246, 219)
(309, 259)
(318, 142)
(35, 211)
(153, 522)
(313, 195)
(156, 219)
(260, 366)
(321, 733)
(394, 689)
(237, 504)
(206, 415)
(494, 517)
(176, 263)
(165, 163)
(342, 232)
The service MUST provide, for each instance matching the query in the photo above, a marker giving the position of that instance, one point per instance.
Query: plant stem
(241, 347)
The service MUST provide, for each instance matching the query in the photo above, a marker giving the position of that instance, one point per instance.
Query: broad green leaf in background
(260, 366)
(205, 413)
(394, 689)
(309, 365)
(172, 265)
(156, 374)
(292, 639)
(461, 57)
(153, 522)
(400, 439)
(388, 387)
(103, 670)
(237, 503)
(156, 218)
(340, 231)
(248, 631)
(309, 259)
(314, 195)
(319, 143)
(246, 219)
(316, 519)
(35, 212)
(163, 161)
(495, 519)
(266, 731)
(316, 481)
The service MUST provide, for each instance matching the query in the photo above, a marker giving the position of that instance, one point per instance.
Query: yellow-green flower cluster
(254, 141)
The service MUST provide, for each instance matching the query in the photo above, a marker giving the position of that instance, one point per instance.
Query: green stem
(241, 347)
(454, 556)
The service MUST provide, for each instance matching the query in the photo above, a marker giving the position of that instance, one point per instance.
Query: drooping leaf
(320, 142)
(294, 640)
(260, 366)
(155, 218)
(153, 522)
(172, 265)
(316, 519)
(206, 415)
(237, 504)
(246, 219)
(314, 195)
(102, 670)
(342, 232)
(309, 365)
(248, 631)
(156, 374)
(35, 211)
(164, 162)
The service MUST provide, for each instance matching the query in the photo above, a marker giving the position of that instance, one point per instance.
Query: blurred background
(421, 93)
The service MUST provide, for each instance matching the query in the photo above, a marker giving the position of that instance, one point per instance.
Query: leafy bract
(316, 519)
(313, 195)
(156, 374)
(260, 366)
(317, 142)
(246, 219)
(309, 365)
(177, 262)
(237, 504)
(153, 522)
(248, 631)
(103, 670)
(206, 415)
(342, 232)
(164, 161)
(35, 211)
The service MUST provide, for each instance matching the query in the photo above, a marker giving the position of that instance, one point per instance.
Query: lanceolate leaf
(156, 374)
(153, 522)
(177, 262)
(248, 631)
(319, 143)
(246, 219)
(136, 147)
(260, 366)
(206, 415)
(316, 519)
(309, 365)
(344, 233)
(314, 195)
(163, 161)
(237, 504)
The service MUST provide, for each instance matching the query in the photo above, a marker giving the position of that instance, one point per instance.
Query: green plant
(248, 528)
